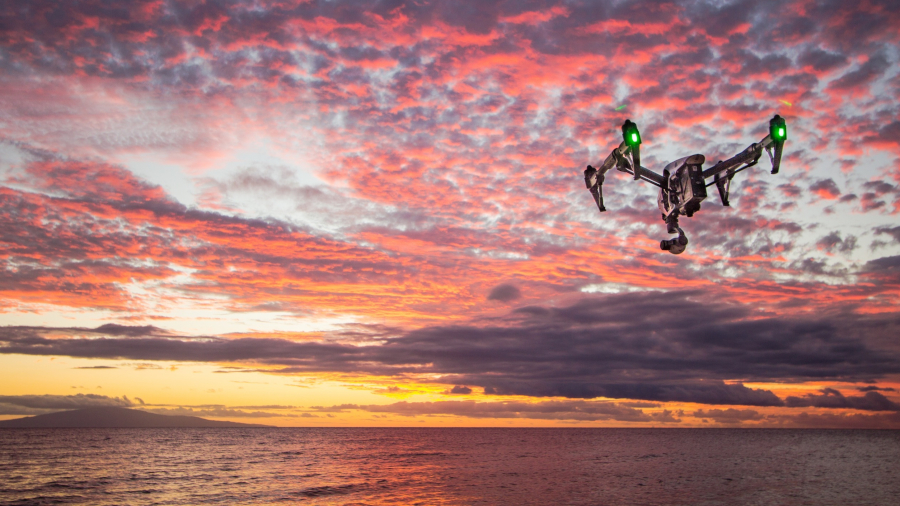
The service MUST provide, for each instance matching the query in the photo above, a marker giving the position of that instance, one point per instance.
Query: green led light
(778, 129)
(633, 137)
(779, 133)
(630, 134)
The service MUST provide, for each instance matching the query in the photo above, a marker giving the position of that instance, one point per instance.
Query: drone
(682, 185)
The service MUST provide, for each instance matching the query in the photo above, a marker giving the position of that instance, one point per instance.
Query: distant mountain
(109, 417)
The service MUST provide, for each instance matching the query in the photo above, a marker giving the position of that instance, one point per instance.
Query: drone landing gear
(593, 179)
(723, 184)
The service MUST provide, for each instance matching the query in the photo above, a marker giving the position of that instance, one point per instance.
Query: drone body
(682, 185)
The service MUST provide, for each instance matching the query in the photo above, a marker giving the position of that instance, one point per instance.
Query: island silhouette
(114, 417)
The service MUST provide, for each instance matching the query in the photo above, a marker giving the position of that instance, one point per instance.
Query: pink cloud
(450, 143)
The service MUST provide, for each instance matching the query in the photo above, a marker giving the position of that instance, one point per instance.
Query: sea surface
(449, 466)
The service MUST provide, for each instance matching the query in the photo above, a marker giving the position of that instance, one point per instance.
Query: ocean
(449, 466)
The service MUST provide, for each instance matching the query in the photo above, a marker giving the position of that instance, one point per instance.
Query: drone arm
(616, 159)
(724, 171)
(619, 159)
(651, 177)
(747, 157)
(626, 157)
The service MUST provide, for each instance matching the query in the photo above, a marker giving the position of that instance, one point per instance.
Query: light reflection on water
(448, 466)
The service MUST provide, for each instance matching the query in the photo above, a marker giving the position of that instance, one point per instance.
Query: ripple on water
(448, 466)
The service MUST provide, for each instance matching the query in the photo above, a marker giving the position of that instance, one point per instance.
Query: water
(449, 466)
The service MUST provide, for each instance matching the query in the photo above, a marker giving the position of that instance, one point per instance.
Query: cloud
(875, 191)
(831, 398)
(729, 416)
(109, 247)
(40, 404)
(214, 412)
(893, 232)
(872, 69)
(445, 141)
(504, 293)
(834, 243)
(826, 189)
(592, 348)
(446, 145)
(126, 330)
(546, 410)
(885, 269)
(872, 388)
(821, 60)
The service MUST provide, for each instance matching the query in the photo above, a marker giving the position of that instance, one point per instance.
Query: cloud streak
(592, 348)
(547, 410)
(40, 404)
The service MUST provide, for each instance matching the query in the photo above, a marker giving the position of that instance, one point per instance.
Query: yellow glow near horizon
(300, 399)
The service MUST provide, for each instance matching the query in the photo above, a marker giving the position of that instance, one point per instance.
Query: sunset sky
(373, 213)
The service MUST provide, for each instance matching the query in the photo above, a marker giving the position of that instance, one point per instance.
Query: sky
(373, 213)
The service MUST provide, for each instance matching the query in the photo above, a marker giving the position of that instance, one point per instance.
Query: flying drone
(682, 185)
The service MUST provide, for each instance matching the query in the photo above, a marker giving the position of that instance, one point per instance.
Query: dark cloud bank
(42, 404)
(652, 346)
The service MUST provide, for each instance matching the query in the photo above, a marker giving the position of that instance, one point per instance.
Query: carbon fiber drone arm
(618, 158)
(724, 171)
(746, 158)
